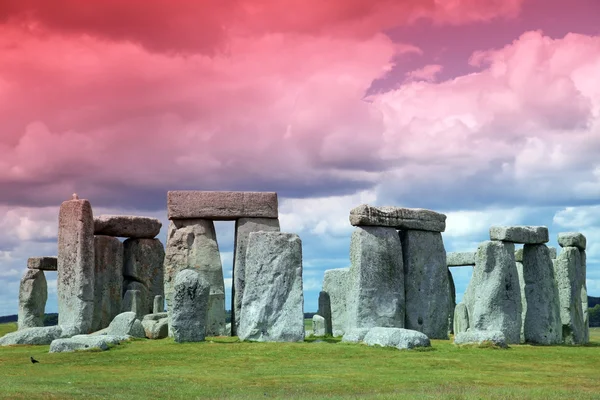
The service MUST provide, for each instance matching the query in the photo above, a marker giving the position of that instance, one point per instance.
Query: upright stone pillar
(452, 302)
(325, 311)
(75, 283)
(336, 285)
(192, 244)
(108, 280)
(519, 264)
(189, 307)
(243, 228)
(33, 293)
(144, 263)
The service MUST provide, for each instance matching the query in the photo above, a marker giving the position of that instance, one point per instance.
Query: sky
(485, 110)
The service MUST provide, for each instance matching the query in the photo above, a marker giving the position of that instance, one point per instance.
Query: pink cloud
(427, 73)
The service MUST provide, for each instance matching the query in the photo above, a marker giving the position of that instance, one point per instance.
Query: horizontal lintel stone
(127, 226)
(43, 263)
(460, 259)
(572, 239)
(223, 206)
(520, 234)
(398, 217)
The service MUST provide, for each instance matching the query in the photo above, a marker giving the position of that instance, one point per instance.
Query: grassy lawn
(225, 368)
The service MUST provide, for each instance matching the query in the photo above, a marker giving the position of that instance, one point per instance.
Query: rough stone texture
(224, 206)
(156, 326)
(460, 259)
(325, 311)
(159, 304)
(553, 252)
(43, 263)
(33, 293)
(451, 302)
(32, 336)
(127, 226)
(189, 312)
(398, 217)
(519, 255)
(243, 228)
(567, 269)
(228, 329)
(108, 280)
(336, 285)
(137, 300)
(493, 297)
(273, 302)
(192, 244)
(572, 239)
(376, 280)
(144, 262)
(396, 337)
(318, 324)
(126, 323)
(542, 319)
(425, 283)
(479, 337)
(584, 298)
(75, 266)
(461, 318)
(519, 265)
(520, 234)
(355, 335)
(84, 342)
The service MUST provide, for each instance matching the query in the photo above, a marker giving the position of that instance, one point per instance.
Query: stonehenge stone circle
(461, 318)
(572, 239)
(520, 234)
(126, 323)
(567, 269)
(376, 287)
(75, 266)
(84, 342)
(144, 263)
(33, 293)
(42, 263)
(272, 306)
(426, 283)
(519, 263)
(188, 313)
(243, 228)
(159, 304)
(451, 302)
(33, 336)
(127, 226)
(396, 337)
(399, 218)
(108, 280)
(325, 311)
(336, 285)
(480, 337)
(134, 301)
(318, 323)
(460, 259)
(355, 335)
(156, 326)
(224, 206)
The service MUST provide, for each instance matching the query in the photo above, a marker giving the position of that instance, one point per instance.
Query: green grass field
(225, 368)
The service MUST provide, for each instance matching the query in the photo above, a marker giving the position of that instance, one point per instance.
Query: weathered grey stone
(520, 234)
(336, 285)
(376, 281)
(155, 316)
(497, 338)
(108, 280)
(273, 302)
(519, 265)
(318, 323)
(159, 304)
(33, 293)
(32, 336)
(398, 217)
(325, 311)
(75, 265)
(43, 263)
(192, 244)
(572, 239)
(425, 283)
(461, 318)
(228, 329)
(567, 269)
(132, 301)
(460, 259)
(519, 255)
(396, 337)
(584, 298)
(243, 227)
(127, 226)
(144, 262)
(552, 251)
(126, 323)
(542, 320)
(493, 297)
(355, 335)
(84, 342)
(156, 326)
(451, 302)
(224, 206)
(189, 312)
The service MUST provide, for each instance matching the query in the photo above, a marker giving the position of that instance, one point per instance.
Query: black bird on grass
(33, 360)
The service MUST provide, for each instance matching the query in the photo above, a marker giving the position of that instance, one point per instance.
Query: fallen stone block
(128, 324)
(460, 259)
(33, 293)
(396, 337)
(85, 342)
(398, 217)
(156, 326)
(43, 263)
(520, 234)
(32, 336)
(355, 335)
(224, 206)
(188, 315)
(127, 226)
(497, 338)
(572, 239)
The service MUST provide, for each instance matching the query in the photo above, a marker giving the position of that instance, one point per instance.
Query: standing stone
(243, 228)
(584, 296)
(108, 280)
(33, 293)
(493, 297)
(452, 302)
(336, 285)
(144, 262)
(519, 264)
(141, 303)
(272, 306)
(567, 271)
(319, 325)
(325, 311)
(188, 313)
(461, 318)
(192, 244)
(376, 288)
(75, 283)
(132, 302)
(542, 319)
(159, 304)
(426, 283)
